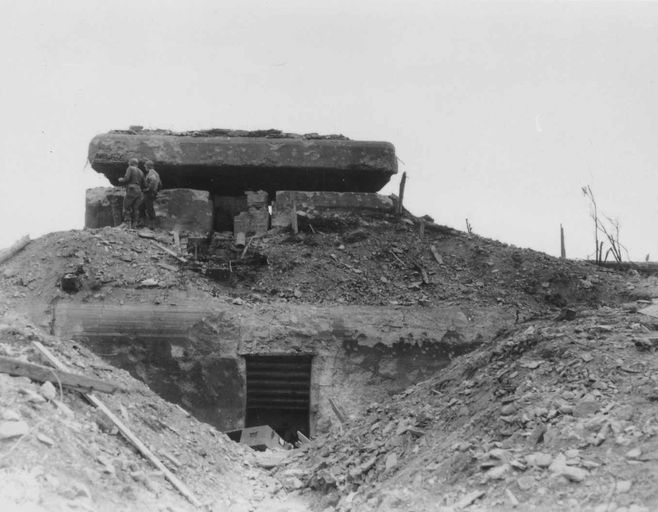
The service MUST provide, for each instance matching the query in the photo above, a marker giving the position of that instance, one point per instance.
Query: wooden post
(403, 182)
(295, 227)
(421, 228)
(563, 252)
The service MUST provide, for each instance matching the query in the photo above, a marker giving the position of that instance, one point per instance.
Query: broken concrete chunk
(573, 474)
(9, 429)
(48, 391)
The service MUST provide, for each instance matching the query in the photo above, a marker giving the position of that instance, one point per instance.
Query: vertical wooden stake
(563, 251)
(421, 228)
(295, 227)
(403, 182)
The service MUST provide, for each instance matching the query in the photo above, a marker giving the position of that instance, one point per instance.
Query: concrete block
(318, 202)
(175, 209)
(255, 221)
(104, 206)
(184, 209)
(257, 199)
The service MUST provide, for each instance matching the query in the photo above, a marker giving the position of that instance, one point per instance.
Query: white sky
(500, 111)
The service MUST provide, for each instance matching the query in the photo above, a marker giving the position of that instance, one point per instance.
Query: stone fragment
(539, 459)
(537, 435)
(573, 474)
(148, 283)
(391, 461)
(526, 482)
(48, 391)
(468, 499)
(10, 415)
(623, 486)
(498, 472)
(513, 499)
(634, 453)
(584, 408)
(45, 439)
(9, 429)
(508, 409)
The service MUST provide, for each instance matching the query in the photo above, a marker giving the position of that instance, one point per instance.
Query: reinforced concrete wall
(193, 354)
(325, 203)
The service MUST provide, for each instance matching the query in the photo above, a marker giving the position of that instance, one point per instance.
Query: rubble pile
(58, 452)
(377, 260)
(560, 411)
(555, 415)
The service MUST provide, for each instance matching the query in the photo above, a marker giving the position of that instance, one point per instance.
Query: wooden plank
(339, 414)
(169, 251)
(18, 246)
(125, 431)
(177, 241)
(436, 254)
(403, 182)
(302, 438)
(295, 226)
(40, 373)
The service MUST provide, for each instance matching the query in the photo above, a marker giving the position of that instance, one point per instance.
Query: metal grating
(278, 393)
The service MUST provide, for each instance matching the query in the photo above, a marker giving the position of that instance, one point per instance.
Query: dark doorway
(278, 394)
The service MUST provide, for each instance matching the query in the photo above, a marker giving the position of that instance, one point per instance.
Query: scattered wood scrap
(125, 431)
(40, 373)
(169, 251)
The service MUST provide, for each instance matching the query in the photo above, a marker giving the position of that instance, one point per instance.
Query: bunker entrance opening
(278, 394)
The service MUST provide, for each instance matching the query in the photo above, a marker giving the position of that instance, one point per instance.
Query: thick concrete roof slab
(229, 165)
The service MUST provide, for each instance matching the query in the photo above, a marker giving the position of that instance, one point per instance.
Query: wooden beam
(169, 251)
(125, 431)
(14, 249)
(436, 254)
(403, 182)
(40, 373)
(339, 414)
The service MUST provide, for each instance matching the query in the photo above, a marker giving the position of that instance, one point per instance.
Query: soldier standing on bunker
(153, 186)
(134, 182)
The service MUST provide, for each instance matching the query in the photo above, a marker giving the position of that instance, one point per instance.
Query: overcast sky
(499, 111)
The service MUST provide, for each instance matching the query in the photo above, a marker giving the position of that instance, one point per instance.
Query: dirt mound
(552, 416)
(374, 261)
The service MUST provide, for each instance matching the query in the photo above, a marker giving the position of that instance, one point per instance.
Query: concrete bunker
(230, 180)
(278, 364)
